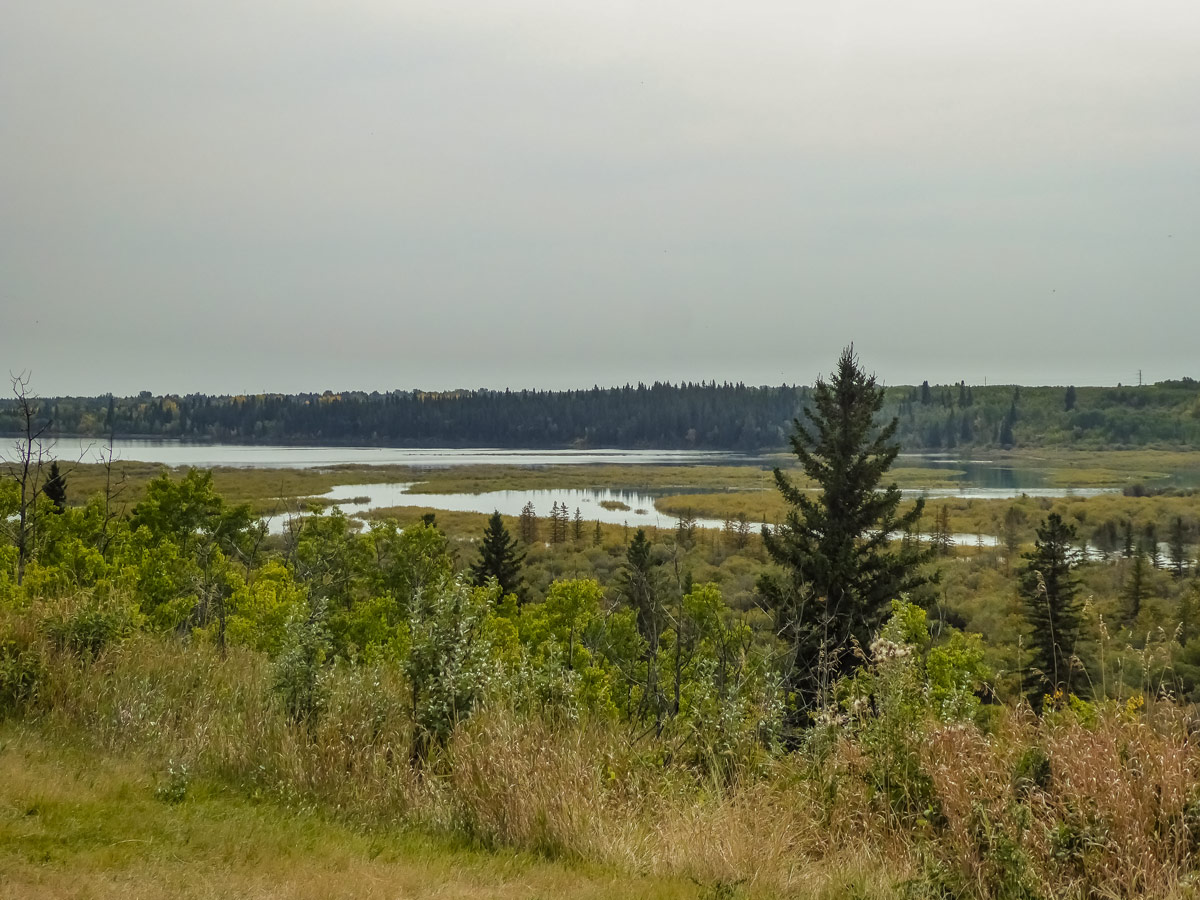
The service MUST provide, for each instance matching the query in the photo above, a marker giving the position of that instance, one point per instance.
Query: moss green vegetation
(266, 490)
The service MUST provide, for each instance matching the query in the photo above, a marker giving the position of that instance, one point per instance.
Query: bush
(87, 627)
(22, 672)
(301, 676)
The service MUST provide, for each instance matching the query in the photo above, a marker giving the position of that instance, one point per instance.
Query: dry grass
(78, 824)
(1118, 815)
(567, 791)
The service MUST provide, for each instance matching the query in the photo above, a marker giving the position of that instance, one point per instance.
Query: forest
(842, 703)
(704, 416)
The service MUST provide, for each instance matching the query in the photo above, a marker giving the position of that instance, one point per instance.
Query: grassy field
(76, 823)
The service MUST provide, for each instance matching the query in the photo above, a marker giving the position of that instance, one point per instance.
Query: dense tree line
(706, 415)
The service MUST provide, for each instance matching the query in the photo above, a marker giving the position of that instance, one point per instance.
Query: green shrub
(22, 673)
(1031, 772)
(175, 787)
(300, 672)
(87, 627)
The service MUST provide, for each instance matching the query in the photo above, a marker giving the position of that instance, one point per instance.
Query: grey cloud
(233, 197)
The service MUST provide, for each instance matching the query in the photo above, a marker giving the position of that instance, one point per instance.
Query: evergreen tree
(1177, 541)
(1150, 544)
(685, 530)
(1069, 399)
(498, 558)
(597, 535)
(1187, 616)
(1048, 587)
(1127, 539)
(640, 584)
(578, 523)
(943, 542)
(564, 522)
(55, 487)
(1006, 438)
(528, 523)
(1136, 589)
(840, 572)
(1011, 533)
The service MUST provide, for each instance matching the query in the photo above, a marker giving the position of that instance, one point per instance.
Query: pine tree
(498, 558)
(1048, 587)
(685, 530)
(1187, 616)
(640, 584)
(55, 488)
(840, 572)
(1177, 541)
(1006, 437)
(1150, 544)
(1069, 398)
(554, 523)
(1136, 589)
(578, 525)
(528, 523)
(943, 542)
(1013, 518)
(564, 522)
(597, 535)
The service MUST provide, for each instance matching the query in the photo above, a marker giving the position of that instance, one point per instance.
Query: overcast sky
(284, 196)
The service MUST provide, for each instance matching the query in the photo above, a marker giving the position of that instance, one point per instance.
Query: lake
(208, 456)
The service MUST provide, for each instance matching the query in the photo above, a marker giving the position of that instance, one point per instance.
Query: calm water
(978, 473)
(641, 513)
(207, 456)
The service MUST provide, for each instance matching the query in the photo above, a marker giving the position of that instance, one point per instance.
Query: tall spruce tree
(640, 581)
(1177, 542)
(840, 570)
(55, 487)
(498, 558)
(1136, 589)
(528, 523)
(1052, 608)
